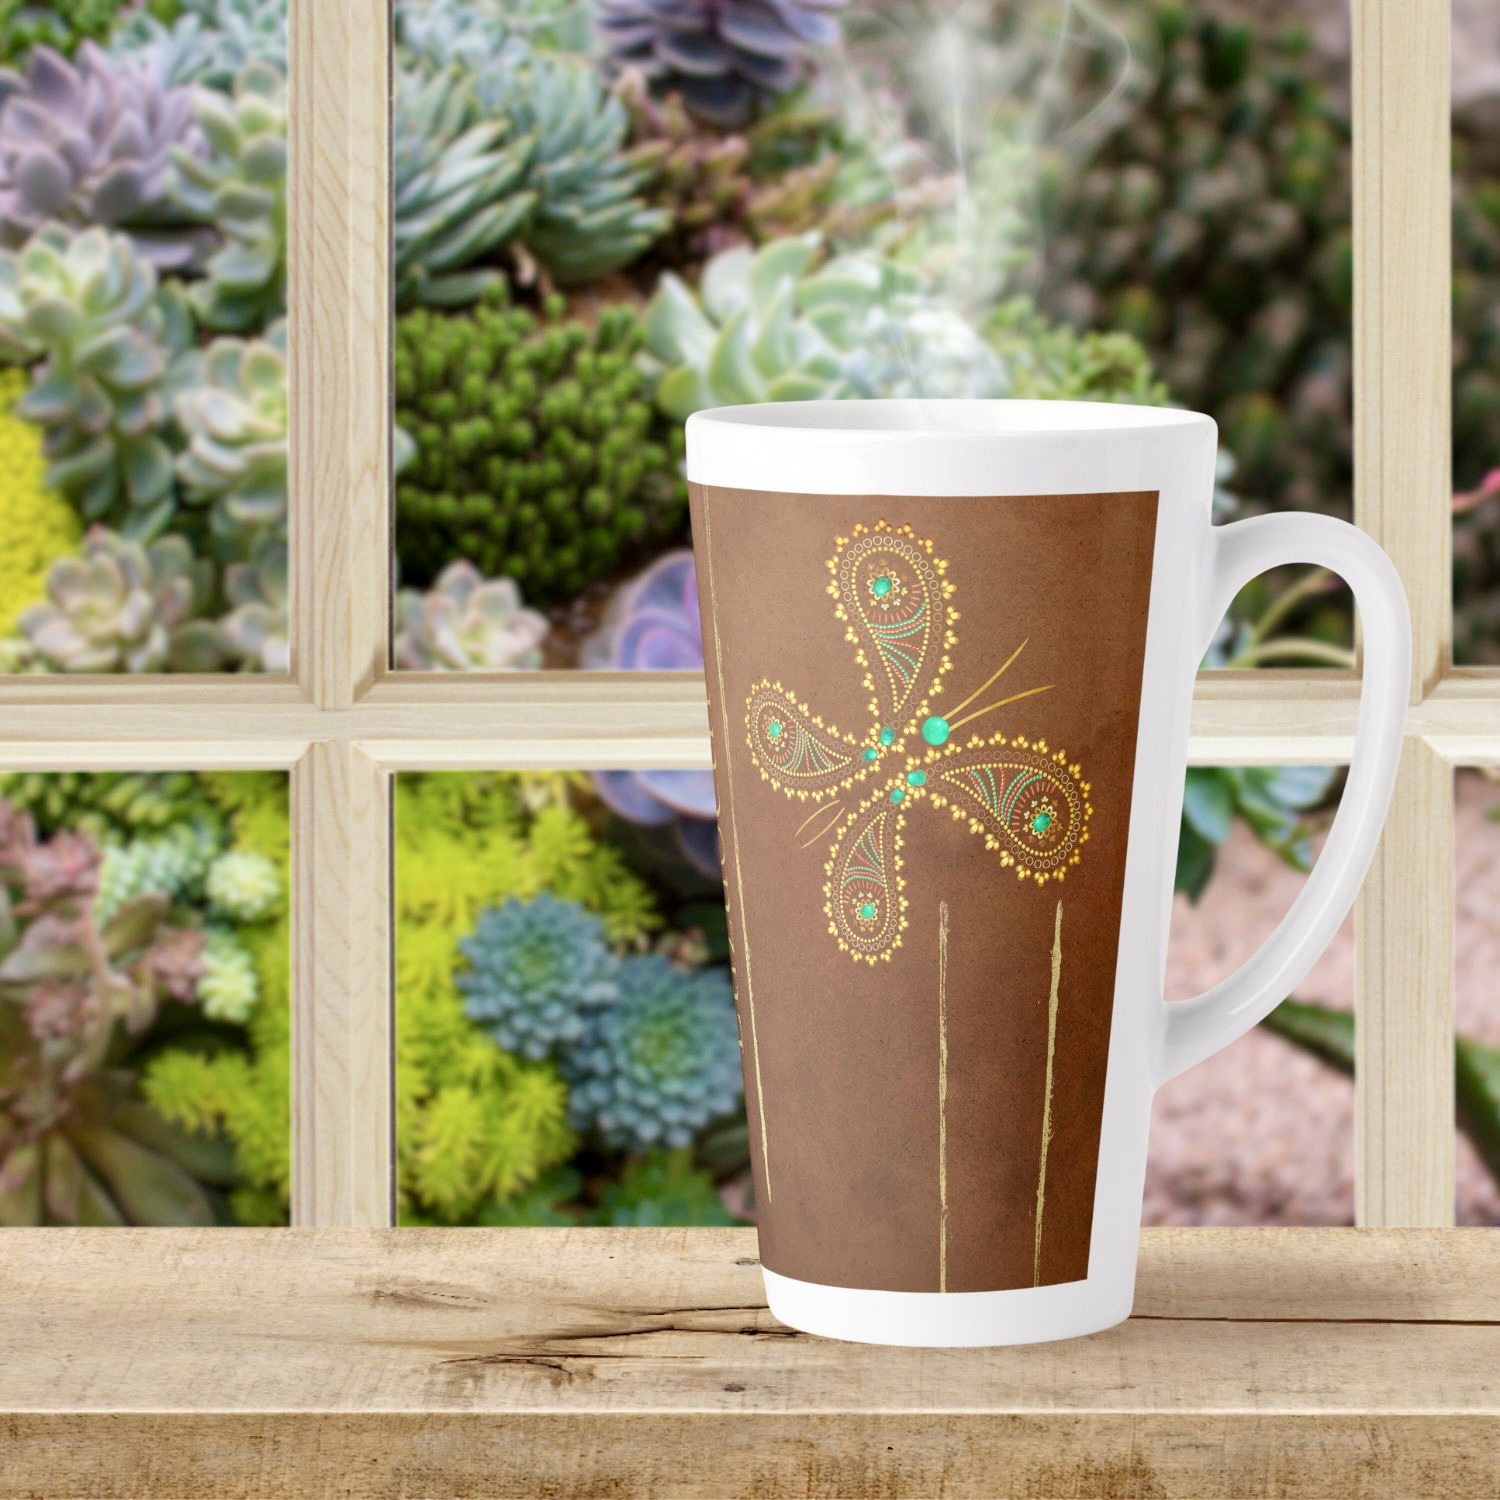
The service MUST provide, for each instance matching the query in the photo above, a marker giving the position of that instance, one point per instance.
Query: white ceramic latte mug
(950, 650)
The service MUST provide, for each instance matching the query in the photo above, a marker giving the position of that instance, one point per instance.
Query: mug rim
(949, 417)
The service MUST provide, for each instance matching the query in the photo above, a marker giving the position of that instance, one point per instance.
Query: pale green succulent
(87, 306)
(459, 189)
(256, 631)
(125, 607)
(228, 988)
(230, 401)
(239, 186)
(209, 43)
(243, 886)
(466, 624)
(775, 325)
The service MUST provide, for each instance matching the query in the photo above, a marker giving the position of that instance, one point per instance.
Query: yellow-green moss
(37, 526)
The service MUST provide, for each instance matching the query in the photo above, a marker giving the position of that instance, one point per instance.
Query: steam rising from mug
(960, 101)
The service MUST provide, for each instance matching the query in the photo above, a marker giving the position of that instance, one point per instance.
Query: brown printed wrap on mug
(924, 717)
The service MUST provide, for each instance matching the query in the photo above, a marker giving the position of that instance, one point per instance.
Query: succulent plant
(459, 189)
(209, 43)
(478, 34)
(230, 401)
(257, 630)
(660, 1063)
(719, 189)
(124, 607)
(243, 886)
(76, 1146)
(466, 623)
(587, 218)
(538, 456)
(658, 1190)
(88, 308)
(93, 143)
(25, 24)
(538, 969)
(37, 526)
(527, 152)
(238, 185)
(1056, 362)
(107, 804)
(774, 325)
(724, 59)
(1272, 799)
(228, 988)
(172, 864)
(651, 625)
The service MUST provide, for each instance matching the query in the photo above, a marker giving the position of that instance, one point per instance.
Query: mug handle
(1193, 1029)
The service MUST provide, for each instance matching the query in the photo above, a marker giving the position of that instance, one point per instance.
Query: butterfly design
(1026, 800)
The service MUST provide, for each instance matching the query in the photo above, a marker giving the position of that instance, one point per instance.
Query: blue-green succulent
(171, 864)
(538, 970)
(660, 1063)
(209, 43)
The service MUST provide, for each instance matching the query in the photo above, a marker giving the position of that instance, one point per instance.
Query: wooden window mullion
(1404, 1129)
(343, 1058)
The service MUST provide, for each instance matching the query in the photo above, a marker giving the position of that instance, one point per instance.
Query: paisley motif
(1032, 808)
(792, 747)
(891, 595)
(865, 905)
(1027, 801)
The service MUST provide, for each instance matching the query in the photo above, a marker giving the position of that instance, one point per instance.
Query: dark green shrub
(538, 453)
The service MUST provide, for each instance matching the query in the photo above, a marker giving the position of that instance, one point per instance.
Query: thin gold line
(1041, 1176)
(942, 1096)
(734, 841)
(977, 691)
(836, 806)
(1014, 697)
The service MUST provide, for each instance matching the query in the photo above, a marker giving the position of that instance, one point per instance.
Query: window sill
(562, 1362)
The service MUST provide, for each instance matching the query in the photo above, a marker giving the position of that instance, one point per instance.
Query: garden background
(608, 214)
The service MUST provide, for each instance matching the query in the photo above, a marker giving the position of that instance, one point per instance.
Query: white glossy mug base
(947, 1320)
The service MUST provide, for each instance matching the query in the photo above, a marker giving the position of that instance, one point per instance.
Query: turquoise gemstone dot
(887, 735)
(935, 730)
(881, 587)
(775, 729)
(916, 778)
(898, 793)
(1041, 823)
(871, 753)
(867, 911)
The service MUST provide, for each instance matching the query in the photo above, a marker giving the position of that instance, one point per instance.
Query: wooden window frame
(342, 723)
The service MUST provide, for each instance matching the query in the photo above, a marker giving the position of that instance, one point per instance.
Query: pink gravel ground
(1263, 1133)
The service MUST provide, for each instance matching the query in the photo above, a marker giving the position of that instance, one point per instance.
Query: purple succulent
(652, 625)
(93, 142)
(723, 56)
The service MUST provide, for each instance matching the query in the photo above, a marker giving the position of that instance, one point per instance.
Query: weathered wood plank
(546, 1362)
(729, 1456)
